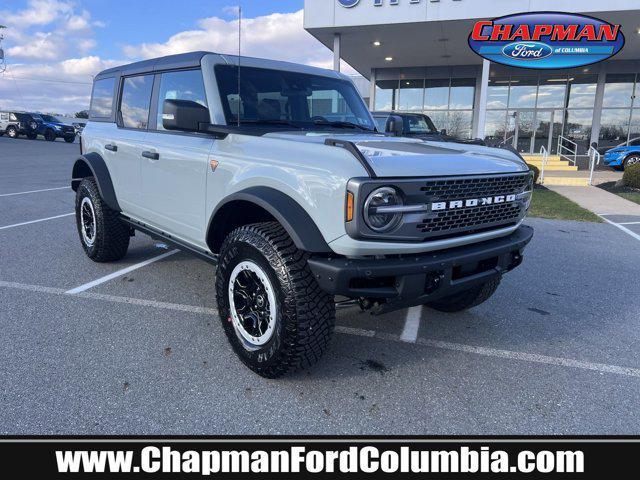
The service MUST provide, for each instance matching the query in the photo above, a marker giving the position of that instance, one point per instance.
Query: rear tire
(70, 139)
(631, 160)
(104, 237)
(50, 136)
(275, 315)
(466, 299)
(32, 136)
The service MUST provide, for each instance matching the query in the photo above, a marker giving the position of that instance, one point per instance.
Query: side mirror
(443, 131)
(395, 125)
(184, 115)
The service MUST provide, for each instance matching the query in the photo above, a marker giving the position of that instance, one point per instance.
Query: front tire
(466, 299)
(631, 160)
(12, 132)
(32, 136)
(272, 310)
(104, 237)
(70, 138)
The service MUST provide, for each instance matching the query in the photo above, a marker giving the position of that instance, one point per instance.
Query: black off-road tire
(111, 234)
(50, 135)
(32, 136)
(305, 316)
(70, 138)
(12, 132)
(466, 299)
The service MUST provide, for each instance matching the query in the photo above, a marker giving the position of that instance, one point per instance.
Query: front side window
(290, 99)
(185, 85)
(381, 123)
(417, 124)
(102, 98)
(136, 98)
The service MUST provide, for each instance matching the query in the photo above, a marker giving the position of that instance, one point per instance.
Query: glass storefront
(448, 101)
(620, 120)
(532, 110)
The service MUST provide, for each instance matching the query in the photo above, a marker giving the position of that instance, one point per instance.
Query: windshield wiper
(342, 125)
(269, 121)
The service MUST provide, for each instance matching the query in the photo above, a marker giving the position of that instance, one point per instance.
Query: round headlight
(377, 216)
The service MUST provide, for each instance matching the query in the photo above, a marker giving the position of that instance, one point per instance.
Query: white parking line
(459, 347)
(119, 273)
(494, 352)
(629, 223)
(412, 325)
(112, 298)
(34, 191)
(36, 221)
(621, 227)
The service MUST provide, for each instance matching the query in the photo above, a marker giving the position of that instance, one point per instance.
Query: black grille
(463, 188)
(469, 220)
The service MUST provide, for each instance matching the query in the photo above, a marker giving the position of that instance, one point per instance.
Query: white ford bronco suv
(275, 172)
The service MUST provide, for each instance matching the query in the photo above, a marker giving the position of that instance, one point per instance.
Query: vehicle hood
(408, 157)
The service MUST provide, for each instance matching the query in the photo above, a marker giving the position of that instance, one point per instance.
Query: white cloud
(42, 46)
(38, 12)
(279, 36)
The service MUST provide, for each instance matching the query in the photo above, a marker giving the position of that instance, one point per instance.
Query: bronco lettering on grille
(472, 202)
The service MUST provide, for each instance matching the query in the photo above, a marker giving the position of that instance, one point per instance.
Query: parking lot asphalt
(555, 351)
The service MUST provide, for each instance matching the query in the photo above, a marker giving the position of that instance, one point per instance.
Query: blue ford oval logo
(348, 3)
(527, 50)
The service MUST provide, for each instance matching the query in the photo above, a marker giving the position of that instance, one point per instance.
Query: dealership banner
(317, 457)
(546, 40)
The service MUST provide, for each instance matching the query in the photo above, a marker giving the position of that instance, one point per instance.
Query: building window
(437, 94)
(620, 122)
(498, 93)
(618, 90)
(577, 128)
(582, 91)
(411, 95)
(386, 95)
(522, 93)
(551, 91)
(462, 94)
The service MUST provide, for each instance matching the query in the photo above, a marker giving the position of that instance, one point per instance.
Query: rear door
(174, 179)
(132, 141)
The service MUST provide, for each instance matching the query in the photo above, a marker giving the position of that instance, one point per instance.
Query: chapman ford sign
(543, 40)
(376, 3)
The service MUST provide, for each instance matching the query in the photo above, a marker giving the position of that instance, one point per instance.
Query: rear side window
(136, 98)
(102, 98)
(184, 85)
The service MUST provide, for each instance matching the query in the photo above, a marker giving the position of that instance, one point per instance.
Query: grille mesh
(469, 219)
(463, 188)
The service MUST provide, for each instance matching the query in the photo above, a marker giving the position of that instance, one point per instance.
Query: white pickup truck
(275, 172)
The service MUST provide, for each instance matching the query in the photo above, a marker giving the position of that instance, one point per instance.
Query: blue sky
(54, 47)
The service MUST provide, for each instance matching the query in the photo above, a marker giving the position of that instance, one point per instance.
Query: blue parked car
(623, 155)
(51, 128)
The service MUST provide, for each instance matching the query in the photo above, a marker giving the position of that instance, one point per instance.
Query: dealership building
(416, 55)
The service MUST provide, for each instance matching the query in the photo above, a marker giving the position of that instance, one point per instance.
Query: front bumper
(408, 280)
(613, 160)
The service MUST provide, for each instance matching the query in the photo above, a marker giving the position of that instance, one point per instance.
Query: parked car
(51, 128)
(415, 125)
(14, 124)
(294, 208)
(622, 156)
(633, 143)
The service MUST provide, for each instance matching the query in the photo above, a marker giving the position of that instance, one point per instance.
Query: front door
(174, 170)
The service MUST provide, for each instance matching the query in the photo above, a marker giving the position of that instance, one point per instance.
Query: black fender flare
(295, 220)
(99, 170)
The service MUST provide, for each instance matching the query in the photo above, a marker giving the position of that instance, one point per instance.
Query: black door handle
(151, 155)
(111, 148)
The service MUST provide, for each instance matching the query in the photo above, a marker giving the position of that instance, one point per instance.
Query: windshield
(35, 116)
(289, 99)
(419, 124)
